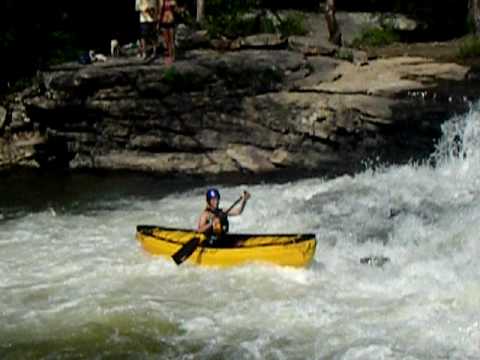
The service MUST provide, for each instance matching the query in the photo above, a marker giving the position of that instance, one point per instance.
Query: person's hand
(217, 226)
(151, 12)
(246, 195)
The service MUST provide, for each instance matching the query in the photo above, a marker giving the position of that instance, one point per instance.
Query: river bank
(256, 105)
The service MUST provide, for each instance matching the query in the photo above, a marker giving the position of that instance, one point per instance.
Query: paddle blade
(185, 251)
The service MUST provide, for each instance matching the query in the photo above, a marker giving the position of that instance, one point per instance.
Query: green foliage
(182, 15)
(470, 47)
(21, 83)
(401, 6)
(179, 80)
(266, 25)
(35, 34)
(344, 54)
(310, 5)
(243, 24)
(293, 24)
(63, 47)
(171, 75)
(376, 37)
(231, 25)
(231, 19)
(6, 40)
(218, 8)
(470, 25)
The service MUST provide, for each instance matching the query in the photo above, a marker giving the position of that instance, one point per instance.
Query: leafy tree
(200, 10)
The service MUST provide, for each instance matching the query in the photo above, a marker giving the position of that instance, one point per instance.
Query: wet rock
(390, 77)
(20, 119)
(3, 117)
(187, 38)
(375, 260)
(311, 46)
(251, 158)
(353, 23)
(248, 111)
(360, 58)
(260, 41)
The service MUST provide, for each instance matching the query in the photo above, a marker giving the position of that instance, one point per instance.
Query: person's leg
(172, 42)
(154, 39)
(170, 46)
(143, 41)
(151, 45)
(166, 38)
(142, 48)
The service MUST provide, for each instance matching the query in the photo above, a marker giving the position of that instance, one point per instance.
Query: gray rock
(360, 58)
(311, 46)
(250, 111)
(251, 158)
(187, 38)
(352, 24)
(322, 70)
(261, 41)
(3, 117)
(19, 119)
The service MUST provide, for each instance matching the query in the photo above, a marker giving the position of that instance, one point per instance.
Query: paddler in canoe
(213, 221)
(210, 244)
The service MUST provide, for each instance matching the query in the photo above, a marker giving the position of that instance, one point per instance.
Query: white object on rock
(94, 57)
(114, 48)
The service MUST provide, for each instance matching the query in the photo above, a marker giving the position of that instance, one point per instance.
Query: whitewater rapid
(74, 283)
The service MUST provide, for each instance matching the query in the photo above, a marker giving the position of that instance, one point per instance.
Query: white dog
(114, 48)
(94, 57)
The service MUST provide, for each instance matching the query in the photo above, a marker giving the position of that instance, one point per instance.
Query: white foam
(424, 219)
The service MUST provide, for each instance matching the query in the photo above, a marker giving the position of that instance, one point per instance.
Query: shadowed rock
(249, 111)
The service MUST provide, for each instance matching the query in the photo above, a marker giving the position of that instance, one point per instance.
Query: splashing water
(75, 284)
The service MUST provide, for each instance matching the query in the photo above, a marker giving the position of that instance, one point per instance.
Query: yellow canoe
(281, 249)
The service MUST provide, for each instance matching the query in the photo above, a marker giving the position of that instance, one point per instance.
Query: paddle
(186, 250)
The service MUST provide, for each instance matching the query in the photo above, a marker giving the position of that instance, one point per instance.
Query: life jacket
(220, 230)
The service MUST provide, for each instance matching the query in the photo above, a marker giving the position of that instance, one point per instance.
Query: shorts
(148, 30)
(167, 26)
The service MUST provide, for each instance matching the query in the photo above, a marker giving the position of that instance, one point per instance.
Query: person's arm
(160, 10)
(238, 210)
(152, 13)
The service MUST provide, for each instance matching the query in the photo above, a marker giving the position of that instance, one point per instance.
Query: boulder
(353, 23)
(3, 117)
(260, 41)
(311, 46)
(249, 111)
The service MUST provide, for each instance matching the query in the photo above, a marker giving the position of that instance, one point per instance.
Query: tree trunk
(334, 34)
(200, 10)
(474, 11)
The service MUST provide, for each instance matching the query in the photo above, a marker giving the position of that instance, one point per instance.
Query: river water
(74, 283)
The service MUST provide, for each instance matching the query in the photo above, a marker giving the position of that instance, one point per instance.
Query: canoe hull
(283, 249)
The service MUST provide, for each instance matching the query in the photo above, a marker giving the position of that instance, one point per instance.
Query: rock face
(250, 111)
(352, 24)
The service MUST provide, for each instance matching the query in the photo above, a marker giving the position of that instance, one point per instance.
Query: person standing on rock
(213, 221)
(166, 21)
(148, 16)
